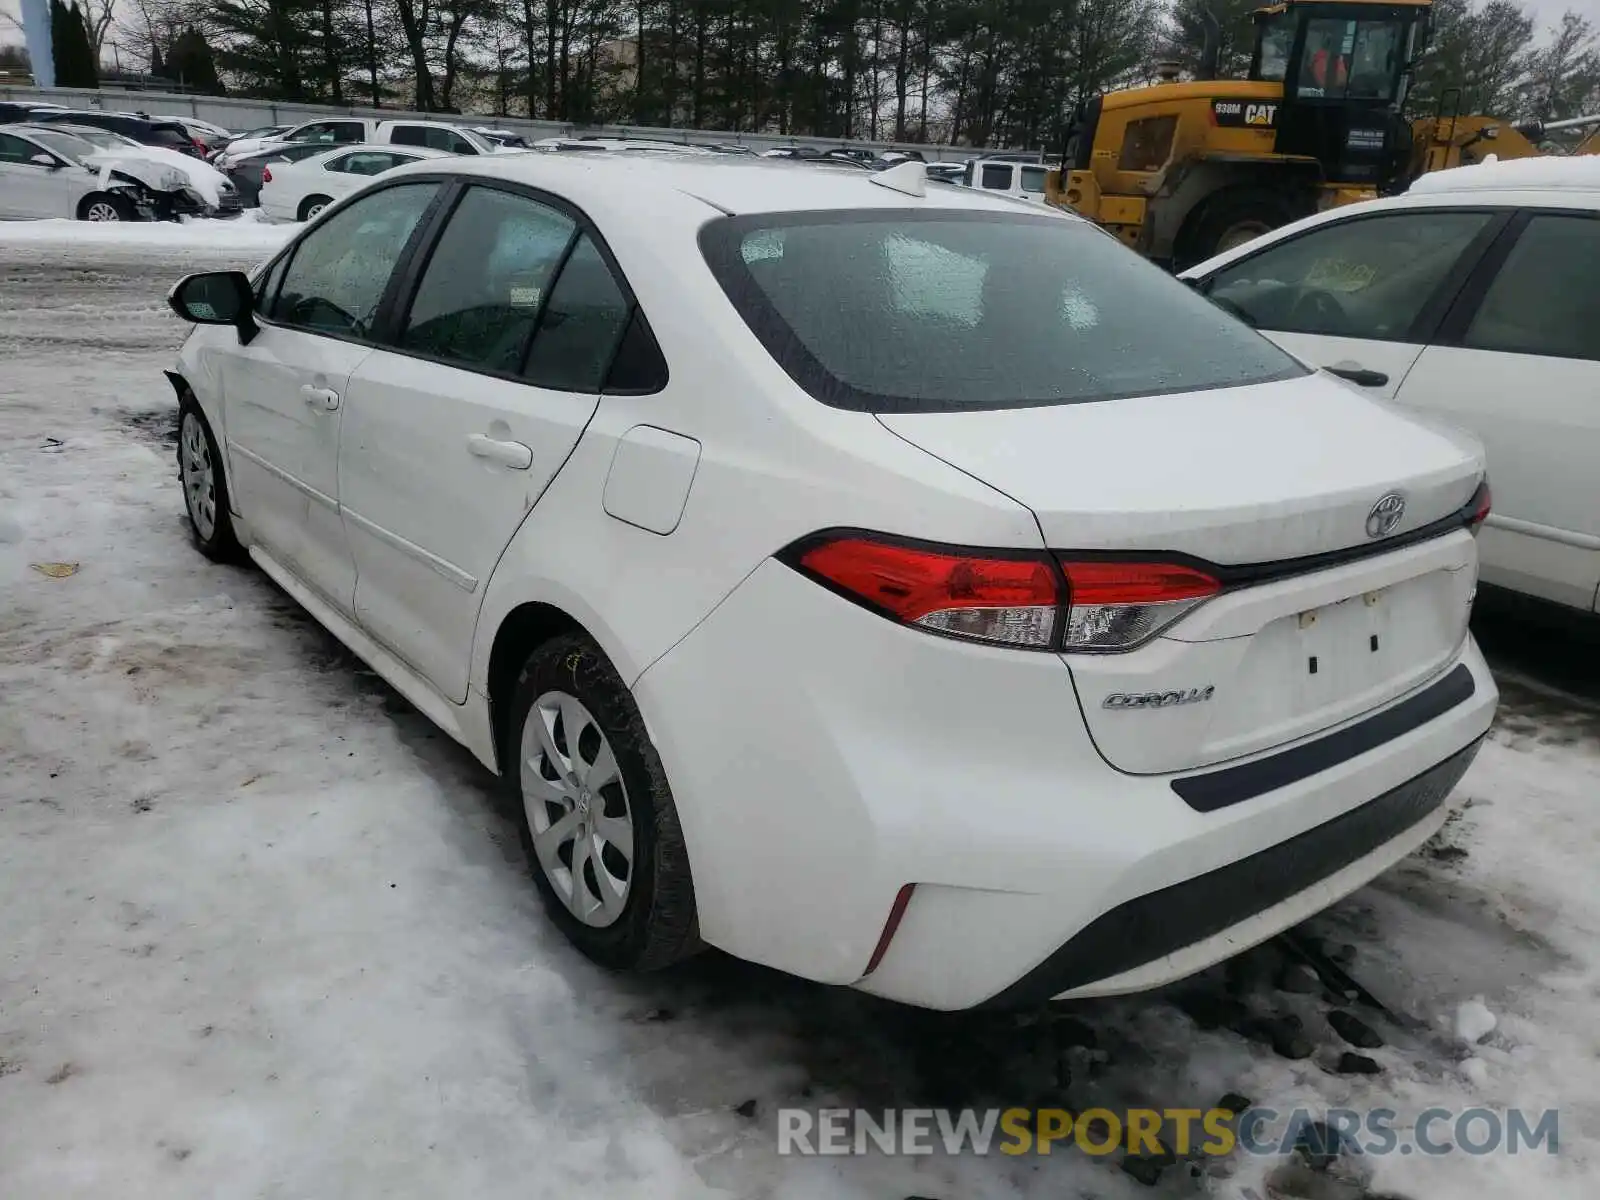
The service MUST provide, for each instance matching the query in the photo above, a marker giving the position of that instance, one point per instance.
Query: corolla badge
(1157, 699)
(1385, 515)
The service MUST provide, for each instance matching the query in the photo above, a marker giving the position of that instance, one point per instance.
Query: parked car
(11, 113)
(1082, 641)
(1474, 298)
(209, 139)
(57, 171)
(299, 191)
(246, 172)
(262, 136)
(1006, 175)
(502, 137)
(147, 131)
(435, 135)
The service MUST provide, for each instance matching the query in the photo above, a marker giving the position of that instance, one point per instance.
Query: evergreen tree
(69, 38)
(191, 62)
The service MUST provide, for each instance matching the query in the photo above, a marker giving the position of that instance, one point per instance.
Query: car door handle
(320, 397)
(508, 454)
(1360, 376)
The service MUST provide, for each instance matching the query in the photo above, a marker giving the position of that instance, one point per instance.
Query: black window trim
(1425, 326)
(719, 246)
(1458, 319)
(406, 251)
(397, 302)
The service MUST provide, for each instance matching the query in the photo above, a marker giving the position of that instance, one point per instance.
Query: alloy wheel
(103, 210)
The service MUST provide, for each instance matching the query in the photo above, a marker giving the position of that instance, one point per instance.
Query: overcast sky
(1548, 11)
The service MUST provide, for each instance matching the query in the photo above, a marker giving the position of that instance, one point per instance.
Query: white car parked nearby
(298, 191)
(1472, 298)
(346, 131)
(894, 585)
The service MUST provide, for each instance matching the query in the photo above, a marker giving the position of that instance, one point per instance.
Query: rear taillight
(266, 174)
(1478, 507)
(1119, 605)
(1005, 598)
(984, 596)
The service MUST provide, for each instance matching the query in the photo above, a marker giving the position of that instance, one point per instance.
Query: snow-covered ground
(264, 933)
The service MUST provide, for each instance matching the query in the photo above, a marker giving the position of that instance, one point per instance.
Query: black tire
(103, 201)
(215, 538)
(310, 203)
(1231, 215)
(657, 925)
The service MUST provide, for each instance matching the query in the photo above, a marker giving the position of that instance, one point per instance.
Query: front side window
(487, 281)
(947, 311)
(1350, 58)
(15, 150)
(1546, 298)
(339, 271)
(1363, 278)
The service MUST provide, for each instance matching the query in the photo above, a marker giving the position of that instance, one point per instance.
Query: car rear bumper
(823, 758)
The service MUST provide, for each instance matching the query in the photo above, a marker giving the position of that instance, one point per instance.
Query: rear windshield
(890, 311)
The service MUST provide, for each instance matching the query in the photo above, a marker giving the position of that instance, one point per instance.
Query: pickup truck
(337, 131)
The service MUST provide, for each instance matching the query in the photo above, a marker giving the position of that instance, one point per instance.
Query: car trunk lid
(1272, 488)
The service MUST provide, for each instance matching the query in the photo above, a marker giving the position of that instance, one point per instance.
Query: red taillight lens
(1120, 605)
(266, 174)
(1007, 600)
(1480, 504)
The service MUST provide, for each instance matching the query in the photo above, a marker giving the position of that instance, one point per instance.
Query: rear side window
(1546, 298)
(895, 311)
(582, 322)
(1033, 179)
(161, 135)
(997, 177)
(487, 280)
(435, 137)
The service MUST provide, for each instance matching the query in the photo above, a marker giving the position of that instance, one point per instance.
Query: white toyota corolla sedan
(899, 586)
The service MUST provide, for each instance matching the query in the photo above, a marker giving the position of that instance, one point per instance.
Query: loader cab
(1345, 67)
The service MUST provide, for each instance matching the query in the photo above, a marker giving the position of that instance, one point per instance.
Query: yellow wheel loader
(1181, 171)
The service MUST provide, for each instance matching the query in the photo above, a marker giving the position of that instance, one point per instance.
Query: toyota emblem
(1385, 515)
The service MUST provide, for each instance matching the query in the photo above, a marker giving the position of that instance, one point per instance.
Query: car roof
(735, 184)
(1564, 173)
(369, 148)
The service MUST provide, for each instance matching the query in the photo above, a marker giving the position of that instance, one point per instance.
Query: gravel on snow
(264, 933)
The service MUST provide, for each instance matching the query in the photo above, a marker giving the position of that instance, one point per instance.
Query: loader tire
(1233, 217)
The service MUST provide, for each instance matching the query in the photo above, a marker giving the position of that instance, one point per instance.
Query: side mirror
(44, 160)
(217, 298)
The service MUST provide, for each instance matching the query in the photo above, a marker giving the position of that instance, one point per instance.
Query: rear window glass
(936, 312)
(166, 135)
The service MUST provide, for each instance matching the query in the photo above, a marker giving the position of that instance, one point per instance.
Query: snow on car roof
(1545, 173)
